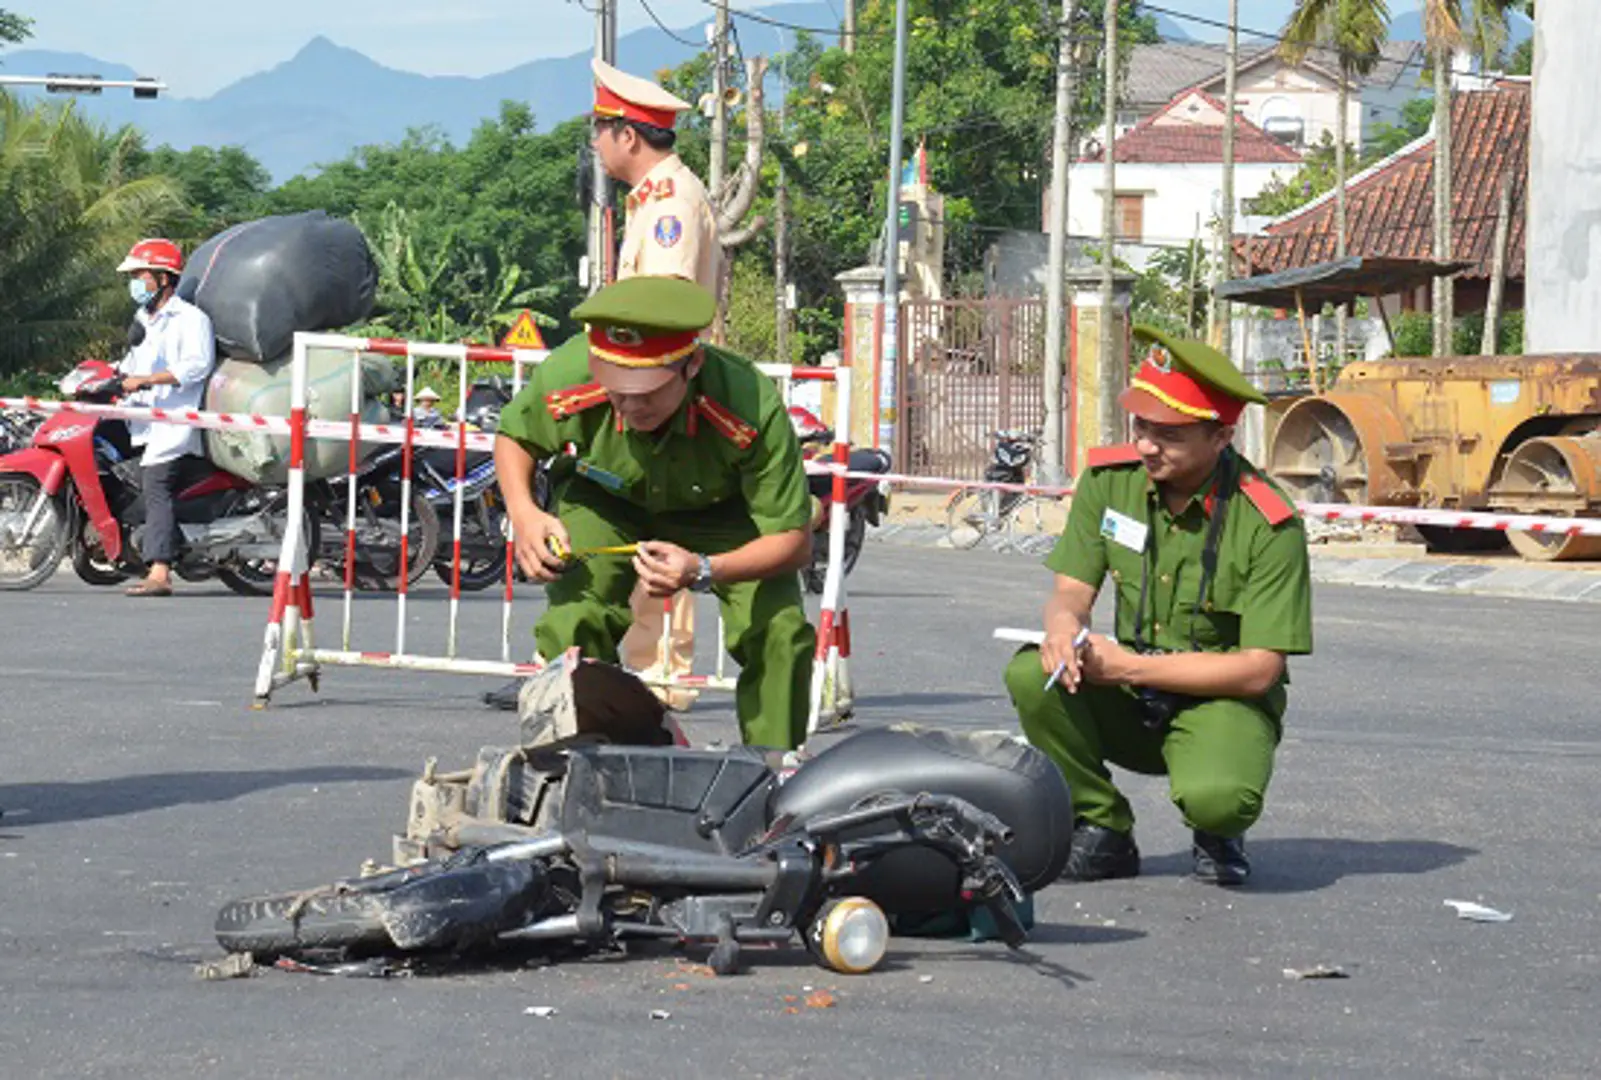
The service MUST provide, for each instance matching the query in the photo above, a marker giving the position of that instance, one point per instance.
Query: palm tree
(1355, 32)
(1480, 26)
(69, 210)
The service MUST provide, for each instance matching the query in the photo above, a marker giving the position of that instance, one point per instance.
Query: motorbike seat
(861, 460)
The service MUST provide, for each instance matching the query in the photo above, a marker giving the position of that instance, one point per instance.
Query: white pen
(1079, 641)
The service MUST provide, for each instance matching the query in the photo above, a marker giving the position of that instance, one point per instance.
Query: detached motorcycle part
(849, 935)
(459, 901)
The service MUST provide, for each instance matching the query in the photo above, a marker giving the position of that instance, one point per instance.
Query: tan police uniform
(669, 231)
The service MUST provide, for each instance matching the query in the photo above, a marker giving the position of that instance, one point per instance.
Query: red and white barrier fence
(289, 651)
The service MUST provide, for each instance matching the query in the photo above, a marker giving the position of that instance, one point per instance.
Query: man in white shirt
(167, 369)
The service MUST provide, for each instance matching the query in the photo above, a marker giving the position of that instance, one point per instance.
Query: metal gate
(966, 368)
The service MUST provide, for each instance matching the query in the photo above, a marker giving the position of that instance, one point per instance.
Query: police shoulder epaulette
(1262, 495)
(1102, 456)
(663, 190)
(728, 425)
(570, 400)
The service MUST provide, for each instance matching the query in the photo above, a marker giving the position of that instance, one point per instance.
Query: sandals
(148, 588)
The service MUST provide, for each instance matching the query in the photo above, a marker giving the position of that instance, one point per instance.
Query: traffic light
(146, 88)
(57, 83)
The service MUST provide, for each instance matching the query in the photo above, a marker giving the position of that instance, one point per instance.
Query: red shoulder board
(663, 190)
(727, 424)
(1102, 456)
(1273, 506)
(570, 400)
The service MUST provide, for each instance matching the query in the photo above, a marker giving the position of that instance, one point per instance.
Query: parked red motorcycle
(866, 501)
(75, 491)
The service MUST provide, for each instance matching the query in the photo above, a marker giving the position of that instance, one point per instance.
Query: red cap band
(607, 103)
(629, 348)
(1184, 394)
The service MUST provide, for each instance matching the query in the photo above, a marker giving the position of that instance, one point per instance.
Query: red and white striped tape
(448, 439)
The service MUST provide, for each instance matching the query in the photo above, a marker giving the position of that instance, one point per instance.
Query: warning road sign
(524, 333)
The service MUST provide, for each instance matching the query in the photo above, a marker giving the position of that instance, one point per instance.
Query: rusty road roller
(1518, 434)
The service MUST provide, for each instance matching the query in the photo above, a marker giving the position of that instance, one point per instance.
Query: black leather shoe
(1220, 860)
(1099, 853)
(505, 698)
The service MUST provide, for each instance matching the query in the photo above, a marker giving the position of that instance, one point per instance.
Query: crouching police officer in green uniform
(1213, 592)
(686, 450)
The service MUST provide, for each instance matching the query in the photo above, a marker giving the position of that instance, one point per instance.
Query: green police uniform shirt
(1260, 596)
(729, 445)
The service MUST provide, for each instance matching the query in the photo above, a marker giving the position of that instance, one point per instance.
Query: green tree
(221, 185)
(70, 207)
(14, 28)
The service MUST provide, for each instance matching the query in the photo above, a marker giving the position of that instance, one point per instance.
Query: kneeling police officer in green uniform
(1213, 592)
(686, 450)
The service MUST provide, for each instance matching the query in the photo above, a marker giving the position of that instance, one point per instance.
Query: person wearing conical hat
(670, 230)
(1209, 565)
(686, 450)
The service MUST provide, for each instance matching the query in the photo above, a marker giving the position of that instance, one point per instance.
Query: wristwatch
(703, 576)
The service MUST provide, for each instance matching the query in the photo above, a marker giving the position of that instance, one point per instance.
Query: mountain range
(327, 100)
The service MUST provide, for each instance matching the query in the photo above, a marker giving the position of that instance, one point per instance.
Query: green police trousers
(1218, 754)
(764, 622)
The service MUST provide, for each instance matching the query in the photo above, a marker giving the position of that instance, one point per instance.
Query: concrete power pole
(781, 228)
(848, 38)
(719, 148)
(1225, 323)
(600, 185)
(1110, 377)
(890, 346)
(1053, 453)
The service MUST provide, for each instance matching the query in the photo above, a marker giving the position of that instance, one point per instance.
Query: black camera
(1158, 707)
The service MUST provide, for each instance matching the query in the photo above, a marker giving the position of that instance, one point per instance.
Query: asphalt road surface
(1437, 748)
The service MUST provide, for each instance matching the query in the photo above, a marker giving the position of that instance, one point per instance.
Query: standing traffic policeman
(687, 450)
(1213, 592)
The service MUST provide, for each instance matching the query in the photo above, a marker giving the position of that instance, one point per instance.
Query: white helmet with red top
(162, 256)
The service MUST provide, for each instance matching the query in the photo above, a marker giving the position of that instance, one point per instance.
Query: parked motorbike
(866, 501)
(378, 534)
(587, 844)
(76, 490)
(483, 511)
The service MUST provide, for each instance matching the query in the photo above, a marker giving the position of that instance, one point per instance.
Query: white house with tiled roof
(1170, 177)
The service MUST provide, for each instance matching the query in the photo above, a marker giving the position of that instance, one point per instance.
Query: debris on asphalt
(1473, 912)
(232, 966)
(1318, 971)
(925, 978)
(703, 970)
(660, 1014)
(819, 999)
(376, 968)
(544, 1012)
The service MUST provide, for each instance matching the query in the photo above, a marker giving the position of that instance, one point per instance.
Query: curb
(1518, 580)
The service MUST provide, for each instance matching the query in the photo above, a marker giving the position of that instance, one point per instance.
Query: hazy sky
(199, 46)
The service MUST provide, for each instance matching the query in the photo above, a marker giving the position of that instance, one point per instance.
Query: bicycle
(973, 513)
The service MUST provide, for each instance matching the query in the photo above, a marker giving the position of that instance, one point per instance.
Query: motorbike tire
(475, 577)
(93, 571)
(855, 537)
(968, 516)
(270, 925)
(251, 579)
(815, 576)
(19, 492)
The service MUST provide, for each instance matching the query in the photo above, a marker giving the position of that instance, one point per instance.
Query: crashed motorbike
(866, 501)
(600, 827)
(76, 490)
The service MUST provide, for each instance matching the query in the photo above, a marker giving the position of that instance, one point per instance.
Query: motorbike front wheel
(270, 925)
(28, 563)
(92, 566)
(970, 514)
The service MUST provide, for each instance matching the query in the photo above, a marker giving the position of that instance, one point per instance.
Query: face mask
(140, 292)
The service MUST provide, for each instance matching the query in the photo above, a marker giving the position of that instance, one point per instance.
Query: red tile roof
(1179, 142)
(1390, 210)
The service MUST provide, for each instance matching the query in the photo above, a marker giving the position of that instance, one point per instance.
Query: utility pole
(719, 148)
(890, 346)
(1444, 296)
(781, 224)
(1225, 321)
(1110, 378)
(1053, 452)
(848, 38)
(600, 186)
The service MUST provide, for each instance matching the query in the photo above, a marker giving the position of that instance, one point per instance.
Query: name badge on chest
(1124, 530)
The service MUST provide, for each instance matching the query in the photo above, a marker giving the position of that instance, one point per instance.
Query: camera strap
(1227, 475)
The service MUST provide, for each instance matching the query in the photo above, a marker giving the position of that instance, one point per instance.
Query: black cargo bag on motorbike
(261, 281)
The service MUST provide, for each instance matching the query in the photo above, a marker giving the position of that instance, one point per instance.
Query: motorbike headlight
(850, 935)
(1011, 455)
